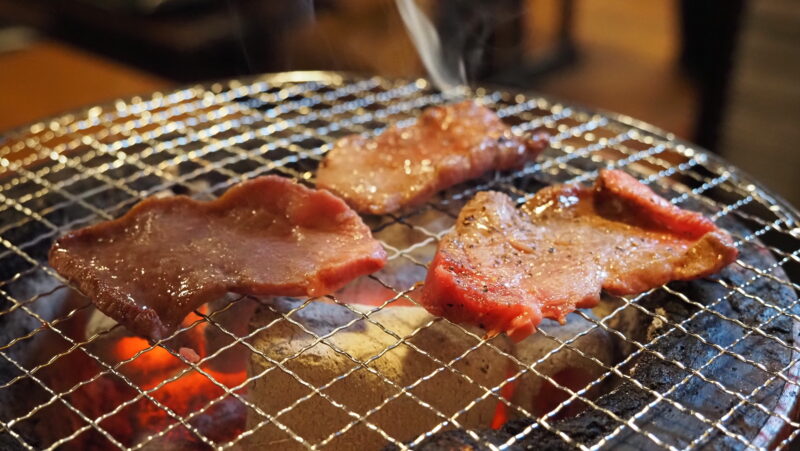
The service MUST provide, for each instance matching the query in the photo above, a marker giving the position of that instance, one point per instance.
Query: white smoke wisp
(426, 40)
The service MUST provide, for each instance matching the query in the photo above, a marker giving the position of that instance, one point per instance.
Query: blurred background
(722, 73)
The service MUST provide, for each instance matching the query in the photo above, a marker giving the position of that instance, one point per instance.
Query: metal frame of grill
(283, 124)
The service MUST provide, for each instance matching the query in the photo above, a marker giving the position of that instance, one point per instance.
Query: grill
(711, 363)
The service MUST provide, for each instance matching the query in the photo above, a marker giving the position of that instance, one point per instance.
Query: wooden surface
(628, 54)
(48, 78)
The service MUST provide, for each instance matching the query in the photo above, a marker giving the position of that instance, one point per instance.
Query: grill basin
(707, 363)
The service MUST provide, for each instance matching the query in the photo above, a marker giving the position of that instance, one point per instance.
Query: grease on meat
(403, 167)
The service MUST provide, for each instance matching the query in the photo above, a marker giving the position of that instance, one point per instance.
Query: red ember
(192, 391)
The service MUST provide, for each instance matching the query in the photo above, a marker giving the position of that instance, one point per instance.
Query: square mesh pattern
(77, 169)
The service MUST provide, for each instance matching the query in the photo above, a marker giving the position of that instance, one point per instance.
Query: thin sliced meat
(166, 257)
(404, 167)
(505, 268)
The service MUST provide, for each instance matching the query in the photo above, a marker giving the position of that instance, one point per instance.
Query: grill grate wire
(283, 124)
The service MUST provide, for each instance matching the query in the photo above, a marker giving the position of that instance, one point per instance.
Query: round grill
(707, 363)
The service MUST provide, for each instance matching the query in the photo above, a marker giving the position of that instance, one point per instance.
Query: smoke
(426, 40)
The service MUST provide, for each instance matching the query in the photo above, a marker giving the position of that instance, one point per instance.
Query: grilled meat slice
(166, 257)
(505, 269)
(405, 166)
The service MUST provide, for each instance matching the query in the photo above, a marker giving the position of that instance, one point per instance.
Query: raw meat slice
(405, 166)
(166, 257)
(505, 268)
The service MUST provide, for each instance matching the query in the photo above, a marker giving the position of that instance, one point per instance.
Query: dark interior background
(721, 73)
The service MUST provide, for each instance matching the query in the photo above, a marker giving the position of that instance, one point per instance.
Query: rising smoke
(448, 78)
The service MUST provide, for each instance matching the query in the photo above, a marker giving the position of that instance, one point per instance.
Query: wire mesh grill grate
(76, 169)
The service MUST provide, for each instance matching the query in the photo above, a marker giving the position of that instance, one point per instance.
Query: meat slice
(166, 257)
(506, 268)
(405, 166)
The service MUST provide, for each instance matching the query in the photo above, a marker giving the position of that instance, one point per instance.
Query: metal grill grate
(79, 168)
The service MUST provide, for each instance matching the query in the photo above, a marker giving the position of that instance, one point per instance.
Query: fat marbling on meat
(404, 166)
(167, 256)
(506, 268)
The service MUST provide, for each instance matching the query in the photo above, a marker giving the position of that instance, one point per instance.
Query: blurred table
(47, 78)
